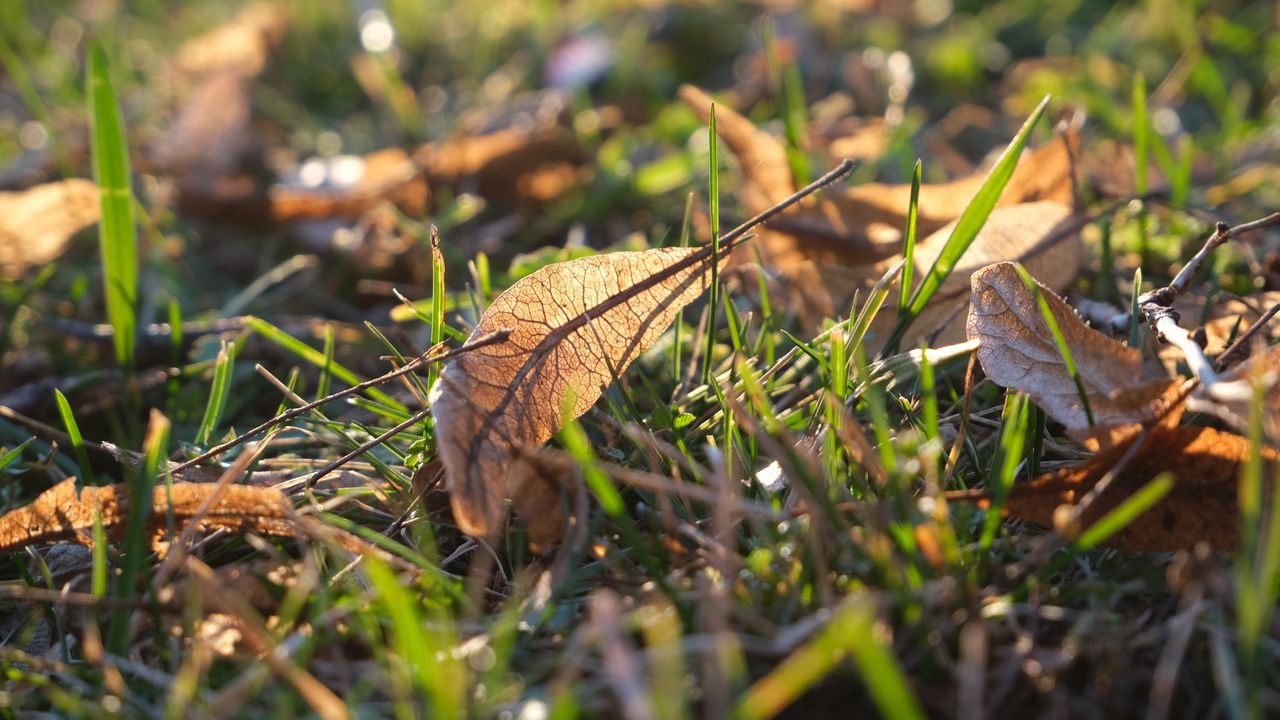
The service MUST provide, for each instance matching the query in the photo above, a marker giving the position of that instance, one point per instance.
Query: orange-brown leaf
(1018, 350)
(1201, 507)
(499, 397)
(36, 224)
(58, 515)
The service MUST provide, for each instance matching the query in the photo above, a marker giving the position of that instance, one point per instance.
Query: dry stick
(416, 363)
(366, 447)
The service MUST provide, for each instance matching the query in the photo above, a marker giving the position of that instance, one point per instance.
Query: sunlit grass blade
(77, 440)
(909, 242)
(788, 87)
(16, 452)
(137, 541)
(713, 199)
(1064, 349)
(1135, 316)
(851, 632)
(1004, 466)
(1124, 513)
(316, 358)
(1141, 154)
(118, 240)
(967, 226)
(218, 393)
(426, 649)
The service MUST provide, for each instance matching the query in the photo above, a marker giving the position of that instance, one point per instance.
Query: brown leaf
(510, 394)
(1201, 507)
(507, 164)
(1040, 235)
(210, 137)
(1018, 350)
(386, 176)
(36, 224)
(241, 46)
(57, 515)
(864, 223)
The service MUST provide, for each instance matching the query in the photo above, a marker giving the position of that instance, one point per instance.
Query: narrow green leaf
(77, 440)
(9, 457)
(909, 242)
(1135, 316)
(137, 541)
(967, 226)
(218, 393)
(1064, 349)
(1141, 133)
(118, 240)
(1004, 466)
(713, 192)
(1125, 513)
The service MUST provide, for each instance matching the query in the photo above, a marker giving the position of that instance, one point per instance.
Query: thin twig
(416, 363)
(1241, 344)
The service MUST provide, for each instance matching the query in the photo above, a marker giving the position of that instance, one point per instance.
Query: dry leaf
(241, 46)
(210, 137)
(499, 397)
(385, 176)
(36, 224)
(1018, 350)
(863, 224)
(58, 515)
(1041, 235)
(1201, 507)
(507, 164)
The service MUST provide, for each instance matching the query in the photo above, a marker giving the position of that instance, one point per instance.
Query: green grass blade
(118, 240)
(1135, 316)
(316, 358)
(9, 457)
(137, 541)
(1064, 349)
(851, 632)
(909, 242)
(1141, 134)
(1004, 466)
(1125, 513)
(967, 226)
(77, 440)
(713, 192)
(218, 393)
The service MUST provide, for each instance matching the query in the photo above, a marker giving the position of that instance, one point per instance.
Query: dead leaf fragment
(58, 515)
(1040, 235)
(514, 393)
(36, 224)
(241, 46)
(863, 224)
(1201, 507)
(1018, 350)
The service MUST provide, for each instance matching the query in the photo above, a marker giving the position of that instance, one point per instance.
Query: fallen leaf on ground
(241, 46)
(507, 164)
(865, 223)
(36, 224)
(1042, 236)
(1018, 350)
(58, 515)
(348, 189)
(573, 326)
(1201, 507)
(210, 137)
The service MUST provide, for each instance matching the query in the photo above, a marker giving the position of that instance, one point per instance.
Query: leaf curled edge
(1017, 350)
(490, 402)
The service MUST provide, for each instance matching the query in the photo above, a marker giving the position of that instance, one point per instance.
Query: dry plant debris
(37, 224)
(63, 514)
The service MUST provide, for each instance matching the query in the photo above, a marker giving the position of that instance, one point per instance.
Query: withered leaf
(1040, 235)
(1201, 507)
(386, 176)
(241, 46)
(1018, 350)
(573, 325)
(58, 515)
(36, 224)
(862, 224)
(506, 164)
